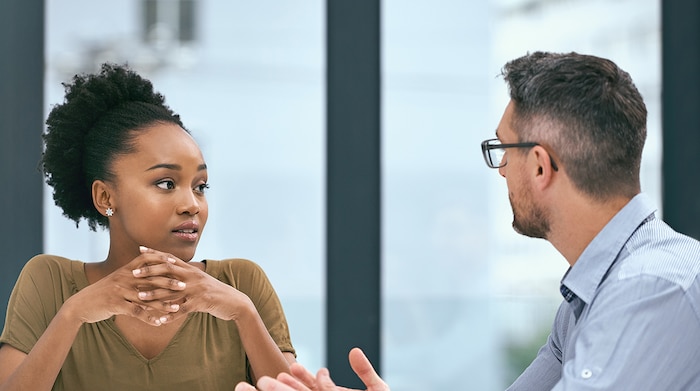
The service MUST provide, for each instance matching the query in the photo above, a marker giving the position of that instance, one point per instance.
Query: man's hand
(303, 380)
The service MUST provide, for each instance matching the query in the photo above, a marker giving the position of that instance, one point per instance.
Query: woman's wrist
(69, 313)
(245, 309)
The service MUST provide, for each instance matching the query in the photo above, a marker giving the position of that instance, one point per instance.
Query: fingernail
(174, 307)
(163, 319)
(136, 272)
(142, 295)
(143, 249)
(181, 284)
(157, 322)
(171, 260)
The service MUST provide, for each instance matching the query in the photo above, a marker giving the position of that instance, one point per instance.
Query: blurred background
(463, 297)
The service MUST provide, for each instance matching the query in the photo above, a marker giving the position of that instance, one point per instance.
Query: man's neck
(577, 220)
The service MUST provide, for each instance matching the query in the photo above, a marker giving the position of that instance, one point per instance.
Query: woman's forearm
(264, 355)
(38, 370)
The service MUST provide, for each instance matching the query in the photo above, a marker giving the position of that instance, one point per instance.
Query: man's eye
(166, 185)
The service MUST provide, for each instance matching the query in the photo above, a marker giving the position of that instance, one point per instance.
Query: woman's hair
(588, 111)
(99, 119)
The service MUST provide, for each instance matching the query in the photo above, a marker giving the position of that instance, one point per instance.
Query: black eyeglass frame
(486, 147)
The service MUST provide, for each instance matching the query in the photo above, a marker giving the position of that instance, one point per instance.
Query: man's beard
(528, 218)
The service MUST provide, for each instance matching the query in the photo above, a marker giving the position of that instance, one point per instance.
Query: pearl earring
(109, 212)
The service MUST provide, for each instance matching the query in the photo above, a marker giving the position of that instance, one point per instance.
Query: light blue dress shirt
(630, 319)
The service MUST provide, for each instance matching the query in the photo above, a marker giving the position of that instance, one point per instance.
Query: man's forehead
(504, 128)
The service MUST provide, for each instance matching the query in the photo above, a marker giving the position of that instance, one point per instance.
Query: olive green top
(206, 353)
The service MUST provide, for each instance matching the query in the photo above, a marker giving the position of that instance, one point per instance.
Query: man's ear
(102, 196)
(545, 171)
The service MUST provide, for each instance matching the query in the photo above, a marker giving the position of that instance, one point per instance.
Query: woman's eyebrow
(175, 167)
(168, 166)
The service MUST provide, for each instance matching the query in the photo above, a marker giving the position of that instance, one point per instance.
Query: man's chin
(518, 229)
(530, 233)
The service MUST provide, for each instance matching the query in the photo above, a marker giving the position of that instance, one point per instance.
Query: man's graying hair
(588, 111)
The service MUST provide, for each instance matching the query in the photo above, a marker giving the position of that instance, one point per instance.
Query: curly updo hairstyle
(100, 118)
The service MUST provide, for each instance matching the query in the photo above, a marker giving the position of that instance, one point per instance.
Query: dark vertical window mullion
(21, 125)
(188, 18)
(149, 18)
(353, 184)
(680, 107)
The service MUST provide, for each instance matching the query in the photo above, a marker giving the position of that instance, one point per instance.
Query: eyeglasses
(494, 152)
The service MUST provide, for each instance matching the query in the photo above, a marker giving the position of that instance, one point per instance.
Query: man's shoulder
(656, 250)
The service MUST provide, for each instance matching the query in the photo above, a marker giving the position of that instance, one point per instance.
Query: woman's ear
(102, 197)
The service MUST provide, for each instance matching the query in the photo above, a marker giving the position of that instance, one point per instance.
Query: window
(169, 20)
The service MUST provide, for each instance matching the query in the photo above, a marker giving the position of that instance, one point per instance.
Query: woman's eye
(202, 188)
(166, 185)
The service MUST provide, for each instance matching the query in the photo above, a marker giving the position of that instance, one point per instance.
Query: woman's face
(158, 195)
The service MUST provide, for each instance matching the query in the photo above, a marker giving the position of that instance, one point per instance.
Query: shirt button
(586, 373)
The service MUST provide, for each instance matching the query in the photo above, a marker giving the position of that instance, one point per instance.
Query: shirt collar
(591, 267)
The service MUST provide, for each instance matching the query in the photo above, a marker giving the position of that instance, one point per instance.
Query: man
(569, 145)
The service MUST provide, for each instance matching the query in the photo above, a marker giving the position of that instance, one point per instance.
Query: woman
(147, 317)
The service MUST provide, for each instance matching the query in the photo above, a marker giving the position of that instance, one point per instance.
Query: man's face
(529, 217)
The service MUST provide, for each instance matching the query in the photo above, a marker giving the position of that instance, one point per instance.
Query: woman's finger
(166, 268)
(139, 312)
(153, 283)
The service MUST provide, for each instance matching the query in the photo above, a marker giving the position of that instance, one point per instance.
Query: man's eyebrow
(175, 167)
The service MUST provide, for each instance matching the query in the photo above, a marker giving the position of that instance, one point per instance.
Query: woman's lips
(188, 235)
(188, 230)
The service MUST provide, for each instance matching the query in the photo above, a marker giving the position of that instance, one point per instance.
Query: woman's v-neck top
(206, 353)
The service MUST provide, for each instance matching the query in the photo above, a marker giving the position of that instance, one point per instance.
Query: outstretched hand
(303, 380)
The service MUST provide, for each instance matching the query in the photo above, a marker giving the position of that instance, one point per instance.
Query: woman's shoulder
(51, 267)
(241, 273)
(231, 265)
(42, 261)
